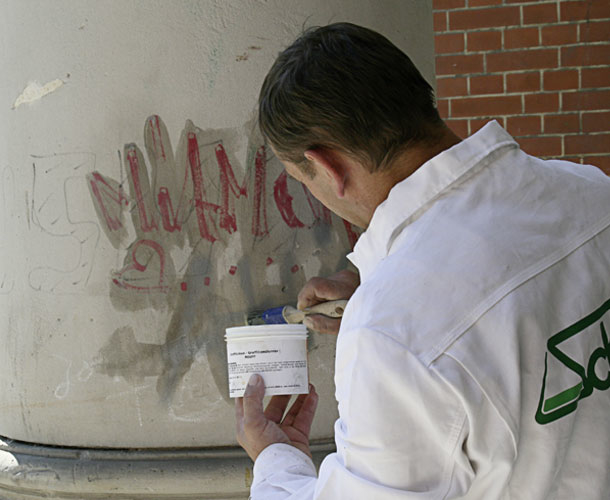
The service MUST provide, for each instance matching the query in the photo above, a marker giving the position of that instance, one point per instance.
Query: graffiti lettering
(212, 239)
(283, 201)
(183, 186)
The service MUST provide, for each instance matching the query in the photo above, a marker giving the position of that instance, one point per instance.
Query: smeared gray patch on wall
(123, 356)
(203, 200)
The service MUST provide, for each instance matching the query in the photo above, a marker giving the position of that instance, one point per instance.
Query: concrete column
(140, 215)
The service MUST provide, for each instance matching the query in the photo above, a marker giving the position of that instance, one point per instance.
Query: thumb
(322, 324)
(253, 398)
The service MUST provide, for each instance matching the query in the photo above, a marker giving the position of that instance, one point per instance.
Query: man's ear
(331, 164)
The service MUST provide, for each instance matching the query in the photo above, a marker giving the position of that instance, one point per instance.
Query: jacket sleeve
(399, 435)
(283, 472)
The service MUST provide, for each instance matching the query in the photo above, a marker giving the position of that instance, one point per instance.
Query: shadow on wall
(205, 246)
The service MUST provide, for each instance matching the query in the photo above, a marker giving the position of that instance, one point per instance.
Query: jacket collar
(409, 198)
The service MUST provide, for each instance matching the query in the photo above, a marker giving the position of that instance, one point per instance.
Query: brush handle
(332, 309)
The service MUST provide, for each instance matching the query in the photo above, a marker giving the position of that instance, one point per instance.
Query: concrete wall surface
(141, 213)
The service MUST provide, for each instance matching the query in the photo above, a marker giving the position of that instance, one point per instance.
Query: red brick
(542, 103)
(587, 143)
(573, 159)
(478, 123)
(602, 162)
(581, 10)
(484, 40)
(596, 122)
(443, 107)
(486, 106)
(449, 42)
(486, 84)
(523, 125)
(585, 55)
(561, 34)
(459, 65)
(483, 3)
(566, 79)
(448, 4)
(541, 146)
(595, 31)
(459, 127)
(564, 123)
(586, 100)
(521, 60)
(439, 21)
(521, 37)
(543, 13)
(452, 86)
(595, 77)
(497, 17)
(523, 82)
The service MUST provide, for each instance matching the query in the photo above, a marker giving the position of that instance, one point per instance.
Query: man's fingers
(239, 409)
(340, 285)
(349, 279)
(322, 324)
(294, 409)
(301, 414)
(276, 408)
(253, 398)
(317, 290)
(239, 417)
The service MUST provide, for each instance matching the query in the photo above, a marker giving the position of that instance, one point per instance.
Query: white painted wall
(84, 361)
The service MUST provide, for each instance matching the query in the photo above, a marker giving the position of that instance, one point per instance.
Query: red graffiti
(169, 217)
(228, 182)
(228, 186)
(183, 286)
(136, 265)
(352, 235)
(211, 217)
(135, 168)
(202, 207)
(104, 192)
(295, 268)
(153, 123)
(168, 207)
(260, 228)
(283, 200)
(206, 281)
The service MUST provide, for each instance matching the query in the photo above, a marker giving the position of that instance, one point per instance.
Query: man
(473, 358)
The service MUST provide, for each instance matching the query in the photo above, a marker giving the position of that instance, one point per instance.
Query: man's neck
(407, 163)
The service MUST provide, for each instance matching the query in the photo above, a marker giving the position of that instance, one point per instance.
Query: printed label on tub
(284, 369)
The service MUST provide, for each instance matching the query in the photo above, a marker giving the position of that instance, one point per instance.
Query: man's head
(346, 88)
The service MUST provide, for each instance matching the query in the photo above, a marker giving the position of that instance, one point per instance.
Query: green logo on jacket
(551, 408)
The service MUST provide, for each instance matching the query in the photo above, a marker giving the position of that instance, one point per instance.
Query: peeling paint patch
(272, 275)
(34, 92)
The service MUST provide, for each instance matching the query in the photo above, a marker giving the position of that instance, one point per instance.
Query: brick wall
(541, 68)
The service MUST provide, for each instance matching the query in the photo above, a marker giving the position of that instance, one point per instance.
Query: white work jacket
(473, 360)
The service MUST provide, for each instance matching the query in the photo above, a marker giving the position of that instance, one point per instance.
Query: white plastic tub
(276, 352)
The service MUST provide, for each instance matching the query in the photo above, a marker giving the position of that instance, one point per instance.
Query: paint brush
(289, 314)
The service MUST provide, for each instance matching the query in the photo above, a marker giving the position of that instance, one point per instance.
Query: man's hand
(257, 429)
(338, 286)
